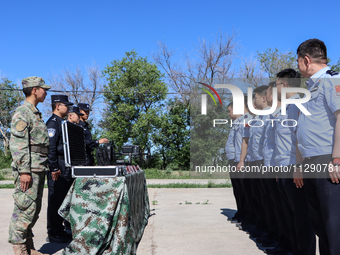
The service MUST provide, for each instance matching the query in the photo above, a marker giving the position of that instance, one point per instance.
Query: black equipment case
(75, 154)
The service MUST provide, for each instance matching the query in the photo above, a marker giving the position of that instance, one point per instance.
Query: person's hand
(55, 175)
(25, 181)
(240, 166)
(298, 178)
(334, 172)
(103, 140)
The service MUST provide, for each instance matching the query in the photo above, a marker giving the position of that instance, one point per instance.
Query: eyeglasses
(275, 85)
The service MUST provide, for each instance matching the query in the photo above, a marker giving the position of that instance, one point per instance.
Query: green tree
(206, 141)
(273, 61)
(336, 66)
(256, 71)
(133, 96)
(11, 100)
(172, 135)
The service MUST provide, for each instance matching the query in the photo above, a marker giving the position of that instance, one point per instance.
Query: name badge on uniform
(51, 132)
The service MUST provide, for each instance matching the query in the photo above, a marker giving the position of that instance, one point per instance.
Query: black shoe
(285, 253)
(61, 238)
(258, 234)
(275, 250)
(263, 239)
(269, 243)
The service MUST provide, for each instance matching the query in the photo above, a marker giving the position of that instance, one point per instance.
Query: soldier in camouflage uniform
(29, 148)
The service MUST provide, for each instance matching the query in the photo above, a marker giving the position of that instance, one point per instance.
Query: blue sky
(39, 37)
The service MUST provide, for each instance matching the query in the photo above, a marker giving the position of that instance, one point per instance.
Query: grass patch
(11, 186)
(6, 186)
(190, 185)
(154, 173)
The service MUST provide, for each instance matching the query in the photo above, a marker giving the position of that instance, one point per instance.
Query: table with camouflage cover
(107, 215)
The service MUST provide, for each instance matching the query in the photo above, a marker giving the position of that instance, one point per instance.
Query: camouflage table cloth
(107, 215)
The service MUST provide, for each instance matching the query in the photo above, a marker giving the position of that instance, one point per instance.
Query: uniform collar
(82, 123)
(296, 96)
(31, 106)
(316, 76)
(276, 112)
(56, 116)
(240, 118)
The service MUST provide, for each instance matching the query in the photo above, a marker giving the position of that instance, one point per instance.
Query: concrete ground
(183, 221)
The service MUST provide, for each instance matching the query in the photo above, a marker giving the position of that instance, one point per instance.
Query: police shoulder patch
(21, 125)
(51, 132)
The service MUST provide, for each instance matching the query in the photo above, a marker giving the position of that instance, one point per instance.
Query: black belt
(39, 149)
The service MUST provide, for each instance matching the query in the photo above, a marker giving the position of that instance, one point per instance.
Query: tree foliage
(273, 61)
(336, 66)
(134, 92)
(256, 71)
(208, 61)
(80, 87)
(11, 100)
(172, 135)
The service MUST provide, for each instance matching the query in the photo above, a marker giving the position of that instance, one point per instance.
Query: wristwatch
(336, 161)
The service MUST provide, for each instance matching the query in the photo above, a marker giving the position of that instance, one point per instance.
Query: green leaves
(273, 61)
(134, 93)
(11, 100)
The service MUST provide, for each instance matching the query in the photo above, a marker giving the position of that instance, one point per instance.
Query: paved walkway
(183, 221)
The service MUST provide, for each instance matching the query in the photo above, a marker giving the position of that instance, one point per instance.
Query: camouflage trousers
(27, 206)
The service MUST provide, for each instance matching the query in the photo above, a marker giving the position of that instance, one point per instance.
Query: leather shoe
(257, 234)
(60, 238)
(262, 239)
(269, 243)
(275, 250)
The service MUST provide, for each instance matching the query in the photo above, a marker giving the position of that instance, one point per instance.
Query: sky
(41, 37)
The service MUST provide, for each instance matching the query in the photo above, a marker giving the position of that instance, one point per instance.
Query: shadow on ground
(51, 248)
(228, 212)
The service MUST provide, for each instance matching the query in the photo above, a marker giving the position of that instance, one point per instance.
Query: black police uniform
(58, 189)
(90, 144)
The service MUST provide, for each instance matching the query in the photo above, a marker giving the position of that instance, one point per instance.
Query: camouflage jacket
(27, 130)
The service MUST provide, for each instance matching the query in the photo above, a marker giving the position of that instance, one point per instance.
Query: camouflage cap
(34, 81)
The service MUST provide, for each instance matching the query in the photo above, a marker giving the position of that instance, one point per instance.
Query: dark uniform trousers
(278, 212)
(257, 194)
(302, 236)
(323, 198)
(250, 205)
(239, 192)
(235, 189)
(57, 191)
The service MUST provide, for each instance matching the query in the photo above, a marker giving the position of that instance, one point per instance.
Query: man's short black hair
(261, 91)
(290, 76)
(315, 49)
(271, 84)
(54, 105)
(27, 91)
